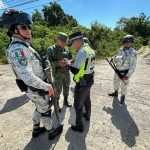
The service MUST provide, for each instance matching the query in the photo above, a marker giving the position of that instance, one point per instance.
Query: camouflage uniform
(60, 74)
(125, 62)
(28, 68)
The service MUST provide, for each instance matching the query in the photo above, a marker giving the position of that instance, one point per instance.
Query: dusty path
(111, 127)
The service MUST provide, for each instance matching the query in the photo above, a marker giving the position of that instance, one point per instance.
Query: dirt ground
(111, 127)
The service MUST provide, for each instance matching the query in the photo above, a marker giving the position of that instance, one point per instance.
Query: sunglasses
(127, 42)
(25, 27)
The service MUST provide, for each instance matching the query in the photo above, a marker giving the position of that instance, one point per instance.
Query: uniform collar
(57, 46)
(16, 39)
(125, 49)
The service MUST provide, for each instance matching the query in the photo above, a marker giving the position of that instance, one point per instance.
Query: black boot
(122, 99)
(66, 103)
(77, 128)
(114, 93)
(37, 131)
(55, 132)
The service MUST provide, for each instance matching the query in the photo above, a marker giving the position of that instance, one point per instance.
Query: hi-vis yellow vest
(89, 64)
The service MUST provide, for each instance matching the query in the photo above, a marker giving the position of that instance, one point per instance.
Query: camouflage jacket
(126, 59)
(55, 54)
(26, 66)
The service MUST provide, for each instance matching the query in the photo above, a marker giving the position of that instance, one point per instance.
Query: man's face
(61, 43)
(127, 44)
(25, 31)
(75, 45)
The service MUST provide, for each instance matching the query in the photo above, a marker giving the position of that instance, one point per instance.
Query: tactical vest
(89, 64)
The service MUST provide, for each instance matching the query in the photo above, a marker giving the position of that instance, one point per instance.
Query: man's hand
(68, 62)
(51, 92)
(125, 78)
(62, 63)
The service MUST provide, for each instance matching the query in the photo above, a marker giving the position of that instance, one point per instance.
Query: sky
(106, 12)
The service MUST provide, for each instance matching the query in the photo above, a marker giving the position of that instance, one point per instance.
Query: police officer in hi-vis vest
(83, 69)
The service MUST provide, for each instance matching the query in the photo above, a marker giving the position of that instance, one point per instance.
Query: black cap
(74, 36)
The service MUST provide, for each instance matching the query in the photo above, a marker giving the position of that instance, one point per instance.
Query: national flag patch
(19, 54)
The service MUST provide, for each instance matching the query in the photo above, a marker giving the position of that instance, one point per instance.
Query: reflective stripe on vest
(88, 66)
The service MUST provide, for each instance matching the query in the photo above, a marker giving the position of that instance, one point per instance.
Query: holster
(41, 92)
(87, 80)
(22, 86)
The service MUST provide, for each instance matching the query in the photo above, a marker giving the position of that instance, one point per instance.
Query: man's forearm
(73, 69)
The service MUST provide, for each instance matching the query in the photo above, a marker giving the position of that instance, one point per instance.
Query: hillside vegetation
(52, 19)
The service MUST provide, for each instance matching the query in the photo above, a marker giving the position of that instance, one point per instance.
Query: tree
(97, 33)
(137, 26)
(37, 17)
(54, 15)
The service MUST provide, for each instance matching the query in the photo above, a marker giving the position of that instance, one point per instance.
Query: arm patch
(20, 56)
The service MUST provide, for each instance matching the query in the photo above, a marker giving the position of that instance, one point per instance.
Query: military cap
(74, 36)
(63, 36)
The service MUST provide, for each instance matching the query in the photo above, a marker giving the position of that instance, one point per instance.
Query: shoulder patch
(20, 56)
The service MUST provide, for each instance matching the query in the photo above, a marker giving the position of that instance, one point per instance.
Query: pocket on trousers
(33, 96)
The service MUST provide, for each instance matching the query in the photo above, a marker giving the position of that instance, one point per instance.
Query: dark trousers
(82, 98)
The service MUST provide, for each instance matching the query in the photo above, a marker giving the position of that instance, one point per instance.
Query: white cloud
(2, 5)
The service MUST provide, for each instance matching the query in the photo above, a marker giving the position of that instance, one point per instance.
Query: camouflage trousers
(117, 82)
(61, 81)
(42, 109)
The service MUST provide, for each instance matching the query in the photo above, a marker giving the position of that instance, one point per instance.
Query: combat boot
(122, 99)
(37, 131)
(77, 128)
(66, 103)
(55, 132)
(113, 94)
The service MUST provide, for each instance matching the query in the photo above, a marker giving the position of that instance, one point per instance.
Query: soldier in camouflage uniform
(125, 62)
(57, 54)
(27, 66)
